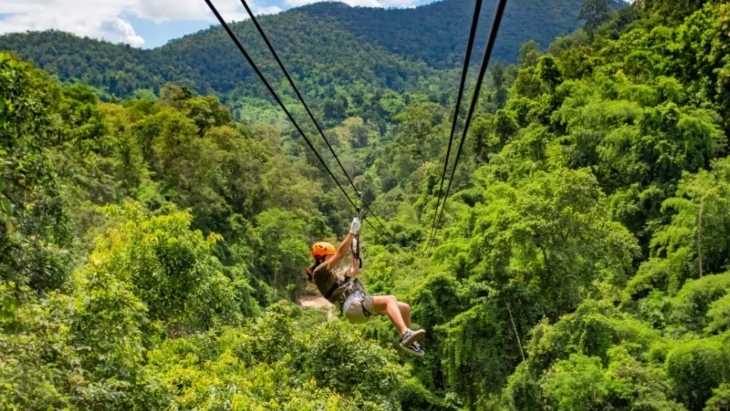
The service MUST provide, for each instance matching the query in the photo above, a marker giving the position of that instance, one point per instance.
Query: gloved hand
(355, 225)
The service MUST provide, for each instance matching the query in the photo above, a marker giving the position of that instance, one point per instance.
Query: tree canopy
(153, 243)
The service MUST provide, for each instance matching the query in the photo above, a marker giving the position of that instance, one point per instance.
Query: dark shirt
(326, 281)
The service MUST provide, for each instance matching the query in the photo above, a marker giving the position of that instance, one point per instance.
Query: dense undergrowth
(150, 248)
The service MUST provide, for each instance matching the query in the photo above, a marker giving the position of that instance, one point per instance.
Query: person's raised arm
(342, 249)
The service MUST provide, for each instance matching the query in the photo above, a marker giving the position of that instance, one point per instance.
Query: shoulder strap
(332, 290)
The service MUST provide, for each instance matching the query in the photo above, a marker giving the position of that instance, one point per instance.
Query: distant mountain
(437, 33)
(327, 46)
(318, 52)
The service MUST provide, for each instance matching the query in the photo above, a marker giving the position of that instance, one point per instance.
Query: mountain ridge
(456, 16)
(329, 44)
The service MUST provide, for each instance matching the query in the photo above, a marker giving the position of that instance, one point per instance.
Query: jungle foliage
(152, 247)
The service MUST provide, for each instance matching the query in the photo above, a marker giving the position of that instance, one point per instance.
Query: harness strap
(336, 286)
(355, 246)
(355, 250)
(332, 290)
(365, 311)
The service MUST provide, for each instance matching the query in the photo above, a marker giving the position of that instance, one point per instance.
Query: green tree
(594, 13)
(35, 231)
(694, 243)
(720, 399)
(697, 367)
(171, 269)
(577, 383)
(500, 93)
(280, 249)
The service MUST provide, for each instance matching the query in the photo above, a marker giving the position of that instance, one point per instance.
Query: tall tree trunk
(699, 235)
(274, 287)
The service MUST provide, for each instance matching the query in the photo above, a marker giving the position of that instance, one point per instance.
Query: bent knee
(386, 299)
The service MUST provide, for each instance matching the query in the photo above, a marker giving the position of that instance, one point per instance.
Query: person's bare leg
(405, 312)
(387, 304)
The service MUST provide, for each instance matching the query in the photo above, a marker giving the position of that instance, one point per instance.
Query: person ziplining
(349, 295)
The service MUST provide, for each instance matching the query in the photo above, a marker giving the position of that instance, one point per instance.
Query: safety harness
(342, 289)
(351, 286)
(346, 286)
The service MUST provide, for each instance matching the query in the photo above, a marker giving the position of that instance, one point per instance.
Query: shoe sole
(415, 336)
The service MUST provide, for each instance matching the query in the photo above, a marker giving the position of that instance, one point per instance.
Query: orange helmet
(323, 249)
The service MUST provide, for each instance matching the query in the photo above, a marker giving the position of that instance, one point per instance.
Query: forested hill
(437, 33)
(207, 62)
(332, 43)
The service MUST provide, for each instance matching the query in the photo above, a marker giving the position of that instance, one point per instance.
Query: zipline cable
(306, 107)
(480, 77)
(467, 59)
(281, 104)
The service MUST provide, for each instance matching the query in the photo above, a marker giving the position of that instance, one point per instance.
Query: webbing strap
(332, 290)
(355, 246)
(355, 249)
(365, 311)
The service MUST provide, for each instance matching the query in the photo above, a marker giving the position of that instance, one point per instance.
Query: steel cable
(464, 70)
(306, 107)
(480, 77)
(281, 104)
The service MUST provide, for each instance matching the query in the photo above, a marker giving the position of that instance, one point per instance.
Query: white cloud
(102, 19)
(165, 10)
(399, 3)
(365, 3)
(362, 3)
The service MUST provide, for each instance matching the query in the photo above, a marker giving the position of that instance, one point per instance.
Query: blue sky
(157, 34)
(142, 23)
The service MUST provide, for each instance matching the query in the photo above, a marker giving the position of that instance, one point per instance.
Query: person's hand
(355, 225)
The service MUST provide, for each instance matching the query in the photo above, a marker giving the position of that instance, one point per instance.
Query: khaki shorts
(353, 307)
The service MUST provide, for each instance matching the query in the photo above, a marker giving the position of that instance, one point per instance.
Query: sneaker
(414, 349)
(411, 336)
(417, 349)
